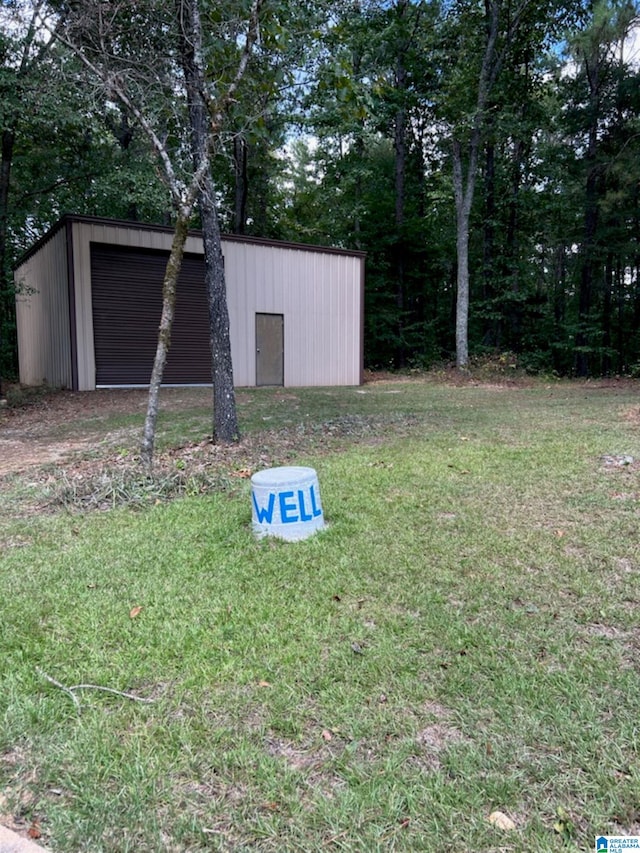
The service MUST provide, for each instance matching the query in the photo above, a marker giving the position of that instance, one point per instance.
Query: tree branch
(219, 107)
(70, 690)
(114, 85)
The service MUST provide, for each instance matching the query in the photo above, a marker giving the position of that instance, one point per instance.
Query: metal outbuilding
(89, 295)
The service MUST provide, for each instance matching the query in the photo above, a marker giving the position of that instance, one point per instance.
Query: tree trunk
(463, 190)
(620, 316)
(169, 286)
(11, 120)
(8, 143)
(559, 305)
(491, 335)
(400, 168)
(511, 266)
(400, 150)
(241, 185)
(607, 311)
(463, 194)
(583, 361)
(225, 422)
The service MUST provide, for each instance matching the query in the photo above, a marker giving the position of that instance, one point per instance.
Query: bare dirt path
(18, 456)
(53, 427)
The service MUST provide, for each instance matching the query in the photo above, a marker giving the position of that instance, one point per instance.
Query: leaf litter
(109, 477)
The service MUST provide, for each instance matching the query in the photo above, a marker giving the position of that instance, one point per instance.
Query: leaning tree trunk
(169, 286)
(225, 421)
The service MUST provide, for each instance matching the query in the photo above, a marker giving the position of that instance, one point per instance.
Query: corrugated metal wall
(320, 294)
(42, 316)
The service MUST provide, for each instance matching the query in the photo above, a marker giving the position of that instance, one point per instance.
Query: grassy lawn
(481, 556)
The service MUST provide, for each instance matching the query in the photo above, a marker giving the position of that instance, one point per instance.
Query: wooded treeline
(486, 156)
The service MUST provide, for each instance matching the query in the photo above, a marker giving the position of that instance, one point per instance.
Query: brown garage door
(127, 304)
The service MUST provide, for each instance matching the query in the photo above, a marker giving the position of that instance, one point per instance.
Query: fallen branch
(67, 690)
(70, 690)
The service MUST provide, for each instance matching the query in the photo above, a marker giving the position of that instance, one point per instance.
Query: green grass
(480, 552)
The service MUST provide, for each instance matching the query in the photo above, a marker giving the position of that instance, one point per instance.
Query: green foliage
(64, 150)
(311, 152)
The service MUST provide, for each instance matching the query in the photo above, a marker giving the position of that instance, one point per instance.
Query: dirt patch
(312, 761)
(40, 413)
(64, 426)
(295, 757)
(436, 738)
(631, 830)
(39, 432)
(17, 456)
(19, 802)
(626, 642)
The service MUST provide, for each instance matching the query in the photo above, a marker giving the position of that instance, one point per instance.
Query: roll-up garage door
(127, 305)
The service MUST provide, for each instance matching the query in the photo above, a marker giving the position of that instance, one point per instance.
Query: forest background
(492, 145)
